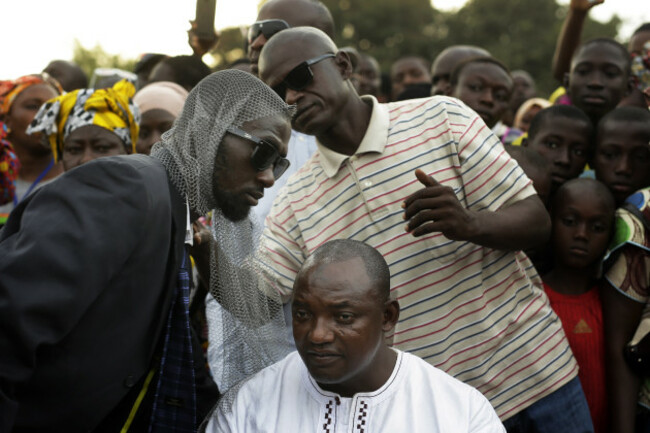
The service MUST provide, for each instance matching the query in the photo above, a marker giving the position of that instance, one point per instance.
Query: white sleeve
(483, 417)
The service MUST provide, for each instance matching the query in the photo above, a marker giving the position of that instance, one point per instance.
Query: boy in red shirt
(583, 217)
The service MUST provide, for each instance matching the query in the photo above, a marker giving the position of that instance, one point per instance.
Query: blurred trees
(91, 58)
(387, 29)
(521, 33)
(231, 47)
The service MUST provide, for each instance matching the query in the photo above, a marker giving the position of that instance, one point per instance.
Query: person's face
(638, 41)
(152, 125)
(622, 159)
(368, 77)
(237, 185)
(22, 112)
(523, 89)
(598, 79)
(90, 142)
(582, 223)
(486, 89)
(339, 325)
(564, 143)
(405, 72)
(267, 12)
(524, 123)
(441, 74)
(320, 103)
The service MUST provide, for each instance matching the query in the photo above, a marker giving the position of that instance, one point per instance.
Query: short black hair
(627, 114)
(567, 111)
(623, 51)
(188, 70)
(339, 250)
(455, 74)
(599, 189)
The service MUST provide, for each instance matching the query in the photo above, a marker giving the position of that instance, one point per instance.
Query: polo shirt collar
(373, 141)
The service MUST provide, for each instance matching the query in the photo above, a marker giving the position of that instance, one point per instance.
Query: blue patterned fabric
(174, 408)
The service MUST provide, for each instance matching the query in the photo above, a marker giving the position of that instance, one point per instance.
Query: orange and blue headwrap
(10, 89)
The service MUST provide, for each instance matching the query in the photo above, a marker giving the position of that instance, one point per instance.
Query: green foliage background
(520, 33)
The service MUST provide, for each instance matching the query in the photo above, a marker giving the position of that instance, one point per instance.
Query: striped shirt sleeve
(281, 247)
(491, 178)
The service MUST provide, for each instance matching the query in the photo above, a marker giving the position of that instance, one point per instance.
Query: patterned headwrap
(9, 166)
(111, 108)
(641, 67)
(10, 89)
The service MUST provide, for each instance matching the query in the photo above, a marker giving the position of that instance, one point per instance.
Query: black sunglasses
(300, 76)
(267, 27)
(265, 154)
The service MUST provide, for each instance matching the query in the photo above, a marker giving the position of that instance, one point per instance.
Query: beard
(231, 205)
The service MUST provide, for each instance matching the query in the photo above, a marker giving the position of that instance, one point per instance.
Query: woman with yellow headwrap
(25, 164)
(89, 123)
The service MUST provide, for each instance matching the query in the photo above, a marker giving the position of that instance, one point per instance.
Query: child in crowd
(563, 135)
(599, 77)
(583, 216)
(527, 112)
(622, 158)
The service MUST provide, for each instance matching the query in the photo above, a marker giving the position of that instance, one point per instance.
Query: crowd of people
(300, 242)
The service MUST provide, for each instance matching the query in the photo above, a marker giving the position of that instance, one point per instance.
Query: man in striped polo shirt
(427, 184)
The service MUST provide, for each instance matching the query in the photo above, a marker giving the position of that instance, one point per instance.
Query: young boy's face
(598, 79)
(582, 223)
(564, 142)
(622, 158)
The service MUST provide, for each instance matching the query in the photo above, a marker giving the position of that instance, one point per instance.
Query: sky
(37, 31)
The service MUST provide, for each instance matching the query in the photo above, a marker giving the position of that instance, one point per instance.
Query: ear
(565, 81)
(344, 64)
(391, 315)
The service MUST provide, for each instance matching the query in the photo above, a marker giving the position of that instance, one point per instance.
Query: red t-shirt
(582, 320)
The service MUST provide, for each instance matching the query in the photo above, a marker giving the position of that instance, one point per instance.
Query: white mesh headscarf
(188, 150)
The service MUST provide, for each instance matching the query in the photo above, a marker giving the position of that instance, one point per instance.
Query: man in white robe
(344, 377)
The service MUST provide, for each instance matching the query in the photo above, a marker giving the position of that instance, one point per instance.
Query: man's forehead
(602, 53)
(279, 59)
(486, 69)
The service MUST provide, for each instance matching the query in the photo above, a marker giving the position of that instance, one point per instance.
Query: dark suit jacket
(88, 267)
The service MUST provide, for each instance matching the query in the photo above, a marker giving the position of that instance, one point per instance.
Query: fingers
(425, 229)
(434, 200)
(425, 179)
(428, 216)
(201, 233)
(432, 189)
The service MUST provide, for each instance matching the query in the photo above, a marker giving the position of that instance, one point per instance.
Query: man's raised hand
(435, 208)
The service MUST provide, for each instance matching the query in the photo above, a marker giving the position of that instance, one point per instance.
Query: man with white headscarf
(94, 286)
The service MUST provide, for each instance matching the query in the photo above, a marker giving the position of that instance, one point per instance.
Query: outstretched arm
(569, 37)
(435, 208)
